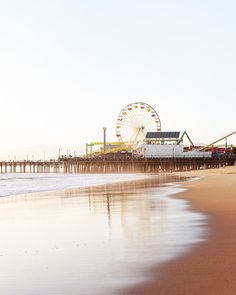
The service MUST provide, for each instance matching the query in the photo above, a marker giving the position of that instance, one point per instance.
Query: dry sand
(210, 268)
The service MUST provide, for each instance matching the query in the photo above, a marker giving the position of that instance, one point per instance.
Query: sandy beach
(210, 267)
(134, 232)
(90, 240)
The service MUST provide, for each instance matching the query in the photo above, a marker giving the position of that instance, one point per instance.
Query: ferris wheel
(134, 121)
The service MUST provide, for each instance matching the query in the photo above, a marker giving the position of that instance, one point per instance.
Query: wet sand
(210, 267)
(94, 240)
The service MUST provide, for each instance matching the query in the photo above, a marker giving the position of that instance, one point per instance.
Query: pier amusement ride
(134, 121)
(132, 125)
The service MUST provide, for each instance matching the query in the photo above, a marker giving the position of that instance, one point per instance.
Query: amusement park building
(170, 151)
(168, 145)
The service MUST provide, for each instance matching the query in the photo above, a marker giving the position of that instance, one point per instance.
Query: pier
(104, 165)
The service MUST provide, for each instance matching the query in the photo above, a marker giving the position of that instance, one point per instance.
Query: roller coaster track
(216, 141)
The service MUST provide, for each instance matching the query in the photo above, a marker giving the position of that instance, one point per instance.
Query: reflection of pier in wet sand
(121, 228)
(97, 165)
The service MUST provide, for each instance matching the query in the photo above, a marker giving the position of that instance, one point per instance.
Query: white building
(162, 150)
(168, 145)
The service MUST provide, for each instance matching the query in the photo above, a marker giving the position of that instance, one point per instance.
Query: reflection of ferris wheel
(134, 121)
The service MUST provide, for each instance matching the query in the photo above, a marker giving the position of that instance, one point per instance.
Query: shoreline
(52, 190)
(137, 179)
(209, 267)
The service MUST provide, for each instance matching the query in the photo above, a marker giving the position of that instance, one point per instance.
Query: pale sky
(68, 67)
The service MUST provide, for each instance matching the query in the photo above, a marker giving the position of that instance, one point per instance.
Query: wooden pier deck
(99, 165)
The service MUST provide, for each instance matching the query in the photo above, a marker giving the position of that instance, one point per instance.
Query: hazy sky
(68, 67)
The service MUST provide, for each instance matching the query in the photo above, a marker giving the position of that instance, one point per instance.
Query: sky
(67, 68)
